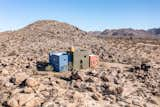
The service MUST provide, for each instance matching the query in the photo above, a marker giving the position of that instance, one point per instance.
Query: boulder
(19, 78)
(13, 103)
(35, 102)
(20, 99)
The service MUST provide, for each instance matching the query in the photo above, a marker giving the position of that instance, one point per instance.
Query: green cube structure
(80, 59)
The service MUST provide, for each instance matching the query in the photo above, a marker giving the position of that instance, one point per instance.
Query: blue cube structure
(59, 61)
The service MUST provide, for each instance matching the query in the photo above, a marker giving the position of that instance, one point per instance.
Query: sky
(88, 15)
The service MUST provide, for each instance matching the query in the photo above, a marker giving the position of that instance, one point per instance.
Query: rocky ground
(127, 76)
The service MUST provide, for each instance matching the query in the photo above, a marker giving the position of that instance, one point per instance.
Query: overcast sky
(85, 14)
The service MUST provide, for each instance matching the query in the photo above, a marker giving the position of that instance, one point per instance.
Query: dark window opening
(81, 64)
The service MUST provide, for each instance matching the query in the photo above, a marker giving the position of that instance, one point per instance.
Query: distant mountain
(154, 31)
(95, 33)
(128, 32)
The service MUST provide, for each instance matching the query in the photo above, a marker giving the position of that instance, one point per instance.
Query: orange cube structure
(93, 61)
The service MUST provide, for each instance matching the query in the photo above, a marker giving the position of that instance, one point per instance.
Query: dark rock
(91, 89)
(145, 67)
(89, 80)
(96, 96)
(76, 76)
(104, 78)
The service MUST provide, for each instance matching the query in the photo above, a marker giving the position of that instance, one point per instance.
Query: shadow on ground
(41, 65)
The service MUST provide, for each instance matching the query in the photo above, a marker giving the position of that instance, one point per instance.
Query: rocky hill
(128, 73)
(151, 33)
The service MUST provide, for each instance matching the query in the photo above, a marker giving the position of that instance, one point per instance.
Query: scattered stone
(13, 103)
(113, 98)
(112, 89)
(89, 80)
(15, 91)
(45, 93)
(4, 71)
(35, 102)
(20, 99)
(28, 90)
(104, 78)
(49, 104)
(145, 67)
(119, 90)
(92, 73)
(96, 97)
(76, 76)
(8, 84)
(41, 87)
(154, 100)
(31, 82)
(137, 103)
(91, 89)
(19, 78)
(76, 84)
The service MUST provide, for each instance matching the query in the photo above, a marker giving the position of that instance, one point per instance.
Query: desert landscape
(128, 74)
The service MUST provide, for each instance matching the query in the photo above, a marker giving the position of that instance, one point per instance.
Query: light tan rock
(20, 98)
(15, 91)
(4, 71)
(41, 87)
(8, 84)
(114, 89)
(49, 104)
(45, 93)
(13, 103)
(24, 98)
(28, 90)
(31, 82)
(19, 78)
(35, 102)
(113, 98)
